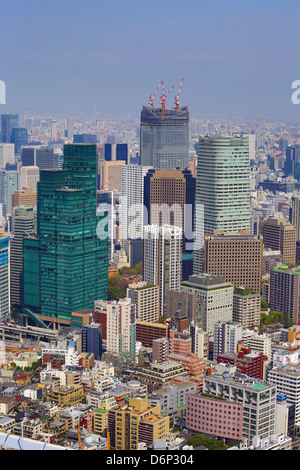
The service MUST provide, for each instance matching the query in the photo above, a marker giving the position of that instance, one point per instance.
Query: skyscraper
(132, 214)
(65, 267)
(9, 182)
(23, 225)
(279, 234)
(121, 327)
(19, 137)
(42, 157)
(4, 278)
(296, 215)
(169, 197)
(162, 259)
(8, 122)
(222, 188)
(164, 137)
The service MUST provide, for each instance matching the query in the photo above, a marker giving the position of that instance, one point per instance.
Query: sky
(236, 57)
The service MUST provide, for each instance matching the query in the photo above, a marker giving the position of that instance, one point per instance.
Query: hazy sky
(235, 56)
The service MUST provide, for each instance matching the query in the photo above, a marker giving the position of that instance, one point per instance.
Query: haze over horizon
(235, 57)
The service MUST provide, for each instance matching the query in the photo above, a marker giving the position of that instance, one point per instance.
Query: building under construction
(164, 134)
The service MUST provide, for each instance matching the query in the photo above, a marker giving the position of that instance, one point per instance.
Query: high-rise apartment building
(121, 327)
(164, 137)
(132, 211)
(24, 224)
(8, 122)
(246, 308)
(281, 235)
(65, 267)
(169, 197)
(237, 257)
(146, 299)
(222, 188)
(285, 290)
(4, 277)
(162, 259)
(214, 298)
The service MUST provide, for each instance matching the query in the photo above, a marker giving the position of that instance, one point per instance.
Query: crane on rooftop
(151, 98)
(177, 96)
(163, 98)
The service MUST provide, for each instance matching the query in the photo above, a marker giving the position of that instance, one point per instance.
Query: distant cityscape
(149, 281)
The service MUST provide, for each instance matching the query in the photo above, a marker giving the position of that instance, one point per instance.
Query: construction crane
(163, 98)
(151, 98)
(105, 184)
(34, 346)
(177, 96)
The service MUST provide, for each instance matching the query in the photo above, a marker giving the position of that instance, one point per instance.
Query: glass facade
(164, 140)
(72, 260)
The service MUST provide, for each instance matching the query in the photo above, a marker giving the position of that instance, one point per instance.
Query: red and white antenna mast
(177, 96)
(151, 98)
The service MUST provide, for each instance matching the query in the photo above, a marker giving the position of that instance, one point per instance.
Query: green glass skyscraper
(66, 263)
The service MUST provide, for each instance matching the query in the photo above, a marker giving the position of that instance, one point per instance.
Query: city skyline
(233, 57)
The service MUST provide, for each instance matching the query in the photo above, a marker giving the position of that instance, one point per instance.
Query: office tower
(29, 176)
(9, 182)
(162, 259)
(179, 321)
(169, 197)
(291, 167)
(91, 337)
(23, 224)
(246, 308)
(7, 155)
(257, 398)
(223, 183)
(68, 260)
(70, 128)
(116, 152)
(285, 290)
(236, 257)
(19, 137)
(295, 220)
(137, 422)
(183, 301)
(84, 139)
(222, 188)
(164, 138)
(4, 278)
(54, 130)
(121, 327)
(281, 235)
(146, 299)
(8, 122)
(227, 336)
(214, 297)
(23, 197)
(110, 175)
(132, 211)
(42, 157)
